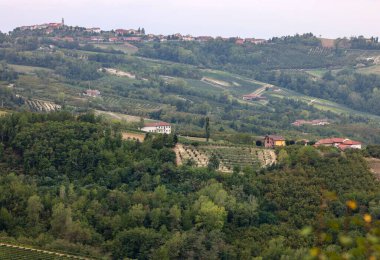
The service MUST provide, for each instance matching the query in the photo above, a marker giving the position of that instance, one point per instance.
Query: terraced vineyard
(12, 252)
(42, 106)
(229, 156)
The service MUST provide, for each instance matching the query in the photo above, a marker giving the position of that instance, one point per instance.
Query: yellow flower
(372, 257)
(352, 204)
(367, 218)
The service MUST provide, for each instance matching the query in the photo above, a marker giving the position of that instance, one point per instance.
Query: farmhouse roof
(157, 124)
(342, 141)
(276, 137)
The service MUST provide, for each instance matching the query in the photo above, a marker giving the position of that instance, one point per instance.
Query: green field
(374, 69)
(126, 48)
(317, 72)
(27, 69)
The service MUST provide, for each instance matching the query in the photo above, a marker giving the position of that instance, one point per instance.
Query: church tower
(63, 22)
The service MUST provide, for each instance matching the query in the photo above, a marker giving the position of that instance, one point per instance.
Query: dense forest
(72, 184)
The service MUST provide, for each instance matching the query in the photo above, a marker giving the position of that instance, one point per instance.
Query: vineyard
(319, 51)
(229, 156)
(130, 104)
(41, 106)
(13, 252)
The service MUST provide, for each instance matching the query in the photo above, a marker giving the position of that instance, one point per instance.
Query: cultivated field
(229, 156)
(13, 252)
(36, 105)
(126, 47)
(133, 136)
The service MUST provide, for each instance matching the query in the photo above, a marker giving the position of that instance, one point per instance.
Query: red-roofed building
(340, 143)
(157, 127)
(239, 41)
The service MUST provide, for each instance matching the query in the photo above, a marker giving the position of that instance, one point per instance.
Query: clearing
(121, 117)
(216, 82)
(119, 73)
(374, 165)
(28, 69)
(374, 69)
(126, 47)
(133, 136)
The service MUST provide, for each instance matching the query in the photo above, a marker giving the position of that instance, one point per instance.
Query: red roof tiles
(157, 124)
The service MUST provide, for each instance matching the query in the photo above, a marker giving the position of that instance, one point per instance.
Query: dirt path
(44, 251)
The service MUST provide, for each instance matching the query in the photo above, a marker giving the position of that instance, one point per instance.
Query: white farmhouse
(158, 127)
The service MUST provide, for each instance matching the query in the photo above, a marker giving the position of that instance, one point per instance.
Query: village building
(113, 39)
(239, 41)
(188, 38)
(157, 127)
(92, 93)
(204, 38)
(254, 41)
(132, 39)
(93, 30)
(272, 141)
(96, 39)
(340, 143)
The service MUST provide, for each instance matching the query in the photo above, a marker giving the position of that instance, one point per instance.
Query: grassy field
(374, 165)
(3, 112)
(128, 135)
(126, 47)
(121, 117)
(27, 69)
(374, 69)
(317, 72)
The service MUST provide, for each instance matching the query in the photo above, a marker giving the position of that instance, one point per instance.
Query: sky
(243, 18)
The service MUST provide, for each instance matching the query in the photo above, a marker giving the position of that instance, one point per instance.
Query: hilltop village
(97, 35)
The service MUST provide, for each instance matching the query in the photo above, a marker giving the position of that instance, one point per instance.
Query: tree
(214, 162)
(283, 157)
(61, 220)
(34, 209)
(209, 215)
(207, 129)
(141, 123)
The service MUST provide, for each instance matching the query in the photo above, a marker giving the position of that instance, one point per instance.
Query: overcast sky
(244, 18)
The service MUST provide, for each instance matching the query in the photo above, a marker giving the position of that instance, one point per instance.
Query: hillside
(72, 184)
(179, 93)
(78, 174)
